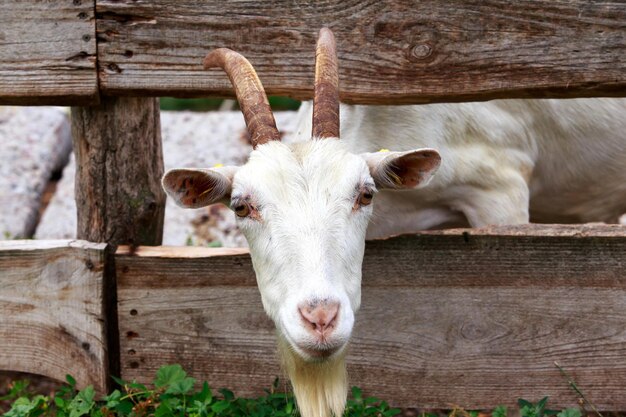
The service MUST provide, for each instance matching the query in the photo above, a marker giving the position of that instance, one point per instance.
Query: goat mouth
(319, 353)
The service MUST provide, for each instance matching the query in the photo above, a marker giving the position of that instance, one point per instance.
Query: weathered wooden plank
(390, 51)
(48, 52)
(119, 199)
(119, 163)
(468, 317)
(52, 321)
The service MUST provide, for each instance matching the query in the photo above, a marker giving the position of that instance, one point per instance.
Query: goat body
(503, 161)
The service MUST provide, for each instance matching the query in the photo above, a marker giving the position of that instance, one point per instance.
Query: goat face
(306, 222)
(304, 209)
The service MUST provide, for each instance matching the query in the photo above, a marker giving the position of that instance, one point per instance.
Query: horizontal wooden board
(390, 51)
(48, 52)
(51, 310)
(469, 317)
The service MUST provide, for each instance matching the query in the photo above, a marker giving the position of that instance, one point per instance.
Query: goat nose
(320, 316)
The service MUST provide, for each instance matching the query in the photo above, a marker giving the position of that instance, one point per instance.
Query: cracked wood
(119, 165)
(469, 317)
(52, 318)
(48, 52)
(390, 51)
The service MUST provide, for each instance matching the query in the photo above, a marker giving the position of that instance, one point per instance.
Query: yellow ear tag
(384, 150)
(218, 165)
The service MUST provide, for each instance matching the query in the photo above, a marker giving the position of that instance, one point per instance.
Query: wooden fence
(389, 50)
(469, 317)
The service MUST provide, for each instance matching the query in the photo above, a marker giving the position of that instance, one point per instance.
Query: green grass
(172, 395)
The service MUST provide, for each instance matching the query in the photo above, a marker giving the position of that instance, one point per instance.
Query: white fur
(308, 245)
(306, 233)
(503, 162)
(309, 242)
(321, 388)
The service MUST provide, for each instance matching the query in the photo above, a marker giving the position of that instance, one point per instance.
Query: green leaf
(205, 395)
(59, 402)
(83, 402)
(228, 394)
(170, 401)
(541, 405)
(124, 408)
(163, 410)
(181, 387)
(392, 412)
(18, 389)
(371, 400)
(24, 407)
(137, 386)
(499, 411)
(65, 392)
(570, 412)
(276, 384)
(167, 375)
(113, 399)
(70, 380)
(528, 411)
(220, 406)
(523, 403)
(118, 381)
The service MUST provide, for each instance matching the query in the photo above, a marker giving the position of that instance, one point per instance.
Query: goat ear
(403, 170)
(195, 188)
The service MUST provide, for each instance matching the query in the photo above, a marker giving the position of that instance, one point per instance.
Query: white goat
(555, 161)
(304, 209)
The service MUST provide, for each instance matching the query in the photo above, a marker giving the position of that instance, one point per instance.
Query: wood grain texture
(469, 317)
(119, 164)
(48, 52)
(390, 51)
(52, 321)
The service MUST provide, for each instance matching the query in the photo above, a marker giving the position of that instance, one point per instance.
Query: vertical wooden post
(119, 165)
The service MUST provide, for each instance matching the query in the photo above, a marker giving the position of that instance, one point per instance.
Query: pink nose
(320, 316)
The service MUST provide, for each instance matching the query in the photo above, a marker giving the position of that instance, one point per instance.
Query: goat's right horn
(326, 96)
(250, 94)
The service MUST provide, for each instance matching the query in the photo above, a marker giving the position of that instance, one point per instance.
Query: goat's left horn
(326, 96)
(250, 94)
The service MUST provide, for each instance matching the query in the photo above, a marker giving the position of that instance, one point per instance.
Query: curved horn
(326, 96)
(250, 94)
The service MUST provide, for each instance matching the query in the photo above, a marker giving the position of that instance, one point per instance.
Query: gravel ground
(36, 141)
(189, 140)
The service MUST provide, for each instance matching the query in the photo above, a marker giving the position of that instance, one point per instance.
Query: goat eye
(242, 210)
(365, 199)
